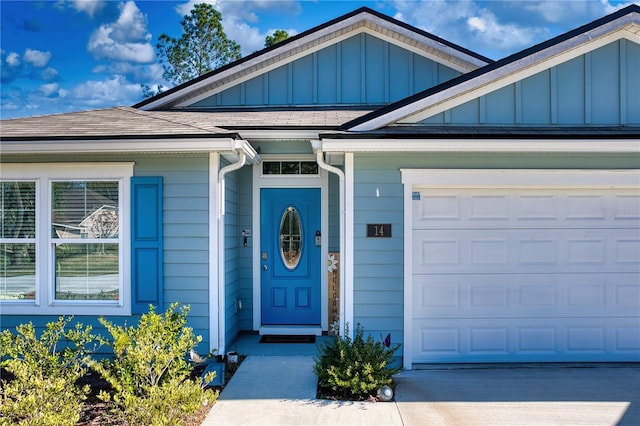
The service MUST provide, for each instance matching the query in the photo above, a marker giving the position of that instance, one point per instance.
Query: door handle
(265, 267)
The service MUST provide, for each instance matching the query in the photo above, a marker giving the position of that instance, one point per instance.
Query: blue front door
(290, 256)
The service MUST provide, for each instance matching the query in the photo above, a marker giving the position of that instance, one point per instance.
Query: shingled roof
(131, 123)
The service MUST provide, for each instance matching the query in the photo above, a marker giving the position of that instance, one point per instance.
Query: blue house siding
(245, 273)
(597, 88)
(359, 70)
(379, 262)
(185, 256)
(231, 253)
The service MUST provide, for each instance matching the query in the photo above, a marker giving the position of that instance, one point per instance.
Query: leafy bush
(354, 369)
(43, 390)
(149, 373)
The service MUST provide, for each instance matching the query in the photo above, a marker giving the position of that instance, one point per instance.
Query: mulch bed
(96, 413)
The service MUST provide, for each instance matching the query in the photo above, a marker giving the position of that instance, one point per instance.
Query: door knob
(265, 267)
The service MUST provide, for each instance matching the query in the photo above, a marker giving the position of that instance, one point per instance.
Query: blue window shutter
(146, 243)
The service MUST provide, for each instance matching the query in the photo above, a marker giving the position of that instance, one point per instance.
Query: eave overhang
(620, 144)
(229, 147)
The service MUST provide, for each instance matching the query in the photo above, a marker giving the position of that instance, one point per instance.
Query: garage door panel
(586, 208)
(477, 251)
(493, 340)
(523, 273)
(533, 296)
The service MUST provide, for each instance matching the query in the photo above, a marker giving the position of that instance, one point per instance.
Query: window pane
(17, 271)
(85, 209)
(290, 168)
(290, 238)
(86, 271)
(271, 168)
(18, 209)
(309, 168)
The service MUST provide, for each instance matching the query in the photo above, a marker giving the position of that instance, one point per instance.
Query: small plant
(354, 369)
(149, 373)
(43, 389)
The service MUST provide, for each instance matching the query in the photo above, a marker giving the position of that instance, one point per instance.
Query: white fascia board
(505, 75)
(508, 178)
(631, 146)
(119, 146)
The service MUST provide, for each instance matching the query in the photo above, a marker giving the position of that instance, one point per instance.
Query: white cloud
(126, 39)
(488, 28)
(37, 58)
(90, 7)
(115, 90)
(13, 59)
(50, 90)
(507, 37)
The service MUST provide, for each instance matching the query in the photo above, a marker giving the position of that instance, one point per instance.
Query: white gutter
(217, 299)
(317, 149)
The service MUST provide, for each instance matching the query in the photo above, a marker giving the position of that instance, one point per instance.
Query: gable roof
(358, 21)
(624, 23)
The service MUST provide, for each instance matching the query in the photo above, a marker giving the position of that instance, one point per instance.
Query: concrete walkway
(269, 389)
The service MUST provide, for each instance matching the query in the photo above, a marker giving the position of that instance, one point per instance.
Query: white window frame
(44, 174)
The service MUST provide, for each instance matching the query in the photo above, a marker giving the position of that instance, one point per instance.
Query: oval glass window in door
(290, 237)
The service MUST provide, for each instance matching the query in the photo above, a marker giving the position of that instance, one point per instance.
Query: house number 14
(378, 230)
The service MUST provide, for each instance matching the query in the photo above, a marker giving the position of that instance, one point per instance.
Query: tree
(202, 47)
(275, 38)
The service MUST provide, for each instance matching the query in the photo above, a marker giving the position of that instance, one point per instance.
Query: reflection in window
(85, 225)
(86, 271)
(289, 168)
(290, 238)
(17, 240)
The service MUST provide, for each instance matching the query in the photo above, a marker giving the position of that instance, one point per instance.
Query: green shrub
(149, 373)
(354, 369)
(43, 390)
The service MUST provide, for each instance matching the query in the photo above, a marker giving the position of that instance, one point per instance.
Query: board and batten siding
(379, 262)
(605, 81)
(362, 69)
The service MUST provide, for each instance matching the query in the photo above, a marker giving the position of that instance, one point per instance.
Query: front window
(17, 240)
(85, 231)
(64, 238)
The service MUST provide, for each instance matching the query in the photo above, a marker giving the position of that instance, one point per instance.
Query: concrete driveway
(582, 394)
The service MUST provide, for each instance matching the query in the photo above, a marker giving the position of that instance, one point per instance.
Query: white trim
(289, 181)
(407, 344)
(505, 75)
(44, 146)
(214, 253)
(347, 258)
(506, 178)
(495, 178)
(485, 145)
(44, 174)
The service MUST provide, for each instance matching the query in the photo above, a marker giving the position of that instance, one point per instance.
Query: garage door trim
(497, 178)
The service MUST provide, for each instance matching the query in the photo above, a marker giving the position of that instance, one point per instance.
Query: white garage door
(525, 275)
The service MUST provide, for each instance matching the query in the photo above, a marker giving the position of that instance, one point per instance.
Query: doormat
(280, 338)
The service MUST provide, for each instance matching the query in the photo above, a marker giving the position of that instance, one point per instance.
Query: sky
(60, 56)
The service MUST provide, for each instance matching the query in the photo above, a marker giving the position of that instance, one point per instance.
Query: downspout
(221, 242)
(317, 149)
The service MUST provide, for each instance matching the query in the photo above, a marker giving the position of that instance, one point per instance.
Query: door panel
(289, 257)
